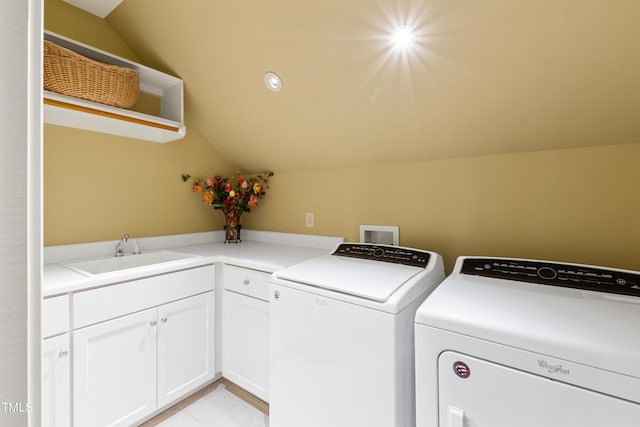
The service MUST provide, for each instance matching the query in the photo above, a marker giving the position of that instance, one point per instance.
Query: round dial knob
(547, 273)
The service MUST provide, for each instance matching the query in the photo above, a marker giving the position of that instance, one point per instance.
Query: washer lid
(372, 280)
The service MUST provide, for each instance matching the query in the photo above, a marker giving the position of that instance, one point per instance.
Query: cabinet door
(186, 346)
(114, 371)
(56, 387)
(245, 346)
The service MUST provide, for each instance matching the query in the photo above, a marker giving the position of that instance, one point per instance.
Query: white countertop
(263, 251)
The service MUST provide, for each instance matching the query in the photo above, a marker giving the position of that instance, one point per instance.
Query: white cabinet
(166, 126)
(56, 374)
(126, 368)
(55, 315)
(114, 371)
(56, 363)
(245, 347)
(186, 357)
(245, 329)
(141, 345)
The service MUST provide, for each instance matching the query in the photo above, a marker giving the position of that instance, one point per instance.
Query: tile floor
(219, 408)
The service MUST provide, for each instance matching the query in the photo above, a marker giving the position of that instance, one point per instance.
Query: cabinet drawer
(98, 305)
(55, 315)
(247, 282)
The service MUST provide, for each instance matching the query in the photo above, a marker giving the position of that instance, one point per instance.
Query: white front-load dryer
(342, 336)
(524, 343)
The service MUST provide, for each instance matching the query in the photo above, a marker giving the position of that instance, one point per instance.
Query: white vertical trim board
(20, 142)
(35, 216)
(13, 211)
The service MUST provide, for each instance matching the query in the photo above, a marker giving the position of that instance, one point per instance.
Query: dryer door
(478, 393)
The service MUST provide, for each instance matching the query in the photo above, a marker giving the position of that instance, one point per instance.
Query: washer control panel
(394, 254)
(548, 273)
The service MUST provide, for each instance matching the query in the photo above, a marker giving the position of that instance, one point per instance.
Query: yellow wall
(98, 186)
(69, 21)
(577, 205)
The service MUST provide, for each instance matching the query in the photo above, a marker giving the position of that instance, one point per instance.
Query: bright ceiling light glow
(403, 38)
(273, 81)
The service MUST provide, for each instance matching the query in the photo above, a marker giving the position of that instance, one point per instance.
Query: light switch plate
(309, 219)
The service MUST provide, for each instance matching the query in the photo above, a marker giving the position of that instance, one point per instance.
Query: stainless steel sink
(111, 264)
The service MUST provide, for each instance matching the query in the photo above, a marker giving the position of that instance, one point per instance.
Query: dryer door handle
(456, 417)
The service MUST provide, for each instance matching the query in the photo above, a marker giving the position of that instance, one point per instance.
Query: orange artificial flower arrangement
(233, 199)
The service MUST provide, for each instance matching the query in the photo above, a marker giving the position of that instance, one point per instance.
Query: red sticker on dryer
(461, 369)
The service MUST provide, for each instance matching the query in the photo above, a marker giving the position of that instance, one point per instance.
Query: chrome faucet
(119, 246)
(122, 242)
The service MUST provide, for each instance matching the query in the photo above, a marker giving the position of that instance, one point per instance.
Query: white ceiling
(100, 8)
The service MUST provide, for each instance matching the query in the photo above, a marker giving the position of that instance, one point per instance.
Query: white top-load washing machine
(523, 343)
(342, 343)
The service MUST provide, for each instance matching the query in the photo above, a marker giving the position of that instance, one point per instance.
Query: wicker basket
(72, 74)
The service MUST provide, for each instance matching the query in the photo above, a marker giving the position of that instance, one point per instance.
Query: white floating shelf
(77, 113)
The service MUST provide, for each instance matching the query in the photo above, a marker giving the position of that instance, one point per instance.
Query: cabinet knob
(246, 282)
(63, 354)
(153, 323)
(164, 319)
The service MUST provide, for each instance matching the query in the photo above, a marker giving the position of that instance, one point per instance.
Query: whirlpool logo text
(553, 369)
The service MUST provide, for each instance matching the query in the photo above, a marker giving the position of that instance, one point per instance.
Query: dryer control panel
(394, 254)
(556, 274)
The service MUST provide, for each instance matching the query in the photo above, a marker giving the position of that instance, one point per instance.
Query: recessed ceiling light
(403, 38)
(273, 81)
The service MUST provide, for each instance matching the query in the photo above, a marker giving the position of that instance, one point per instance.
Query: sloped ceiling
(489, 76)
(99, 8)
